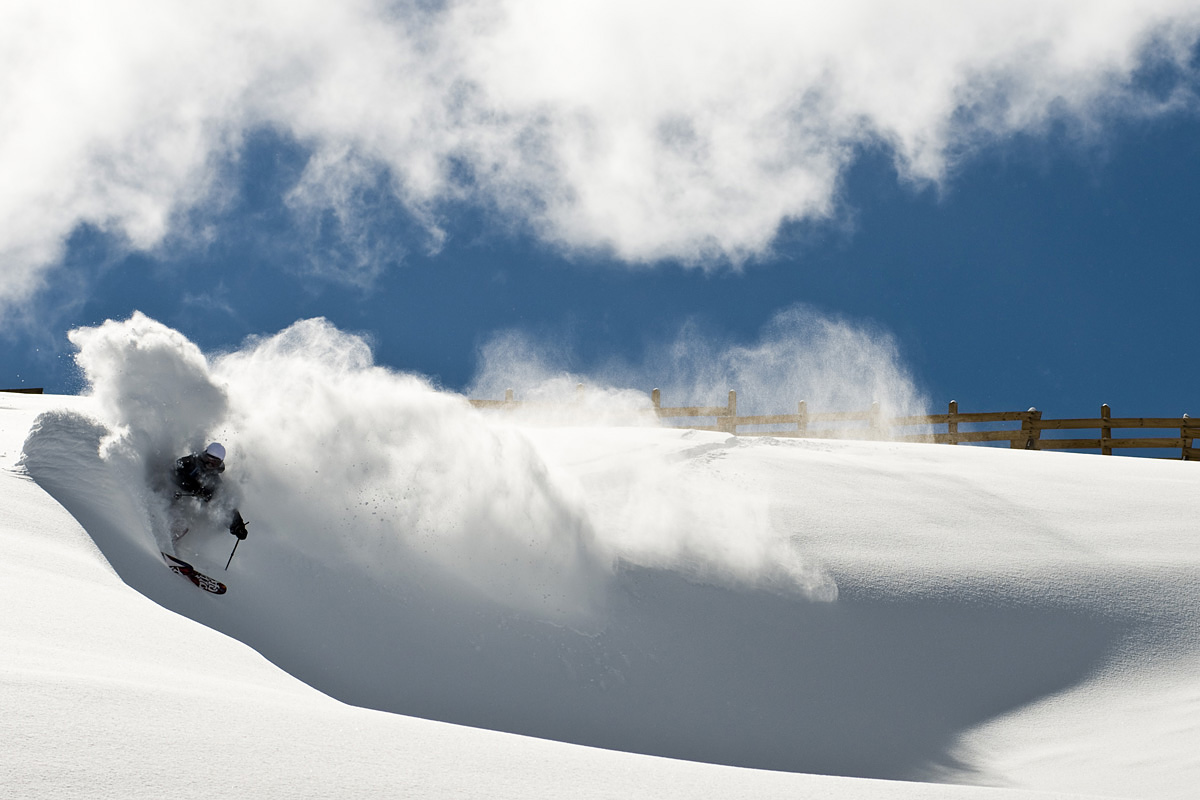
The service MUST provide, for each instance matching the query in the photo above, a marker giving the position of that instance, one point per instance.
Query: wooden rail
(22, 391)
(871, 424)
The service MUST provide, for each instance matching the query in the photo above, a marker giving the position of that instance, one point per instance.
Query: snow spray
(342, 459)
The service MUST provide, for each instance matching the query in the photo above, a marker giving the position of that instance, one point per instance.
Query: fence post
(728, 423)
(1105, 430)
(508, 399)
(1031, 429)
(876, 424)
(1184, 430)
(802, 422)
(656, 399)
(952, 424)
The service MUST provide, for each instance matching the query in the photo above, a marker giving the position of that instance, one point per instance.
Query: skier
(199, 475)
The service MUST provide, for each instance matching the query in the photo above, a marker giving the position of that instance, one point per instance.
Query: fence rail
(871, 424)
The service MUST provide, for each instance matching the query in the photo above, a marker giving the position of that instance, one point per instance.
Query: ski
(181, 567)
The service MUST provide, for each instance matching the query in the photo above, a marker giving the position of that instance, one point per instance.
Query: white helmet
(216, 449)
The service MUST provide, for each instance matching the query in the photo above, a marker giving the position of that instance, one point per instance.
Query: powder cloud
(830, 362)
(678, 512)
(333, 457)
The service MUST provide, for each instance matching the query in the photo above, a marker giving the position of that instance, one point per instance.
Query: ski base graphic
(181, 567)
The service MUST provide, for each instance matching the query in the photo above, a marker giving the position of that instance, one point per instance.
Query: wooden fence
(1023, 430)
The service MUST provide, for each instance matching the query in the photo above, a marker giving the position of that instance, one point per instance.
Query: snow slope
(871, 610)
(109, 695)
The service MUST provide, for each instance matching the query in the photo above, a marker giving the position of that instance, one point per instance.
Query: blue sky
(1040, 252)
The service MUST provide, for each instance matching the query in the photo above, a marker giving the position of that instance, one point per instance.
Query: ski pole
(235, 544)
(237, 528)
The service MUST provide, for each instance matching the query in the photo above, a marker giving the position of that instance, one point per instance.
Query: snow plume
(358, 462)
(375, 465)
(670, 513)
(548, 391)
(401, 470)
(829, 362)
(153, 387)
(664, 130)
(685, 514)
(650, 507)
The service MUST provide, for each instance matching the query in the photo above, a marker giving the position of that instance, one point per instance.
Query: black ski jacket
(192, 476)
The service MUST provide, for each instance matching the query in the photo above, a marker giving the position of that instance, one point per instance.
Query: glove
(238, 526)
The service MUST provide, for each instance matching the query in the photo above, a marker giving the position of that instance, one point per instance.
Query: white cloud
(648, 130)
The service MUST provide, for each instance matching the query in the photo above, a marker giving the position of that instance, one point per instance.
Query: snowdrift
(855, 609)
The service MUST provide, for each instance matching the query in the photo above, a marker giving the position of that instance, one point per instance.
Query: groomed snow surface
(612, 611)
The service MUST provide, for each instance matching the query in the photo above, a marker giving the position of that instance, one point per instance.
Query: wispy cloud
(644, 131)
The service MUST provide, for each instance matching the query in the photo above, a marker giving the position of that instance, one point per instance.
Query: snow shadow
(871, 687)
(861, 687)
